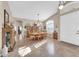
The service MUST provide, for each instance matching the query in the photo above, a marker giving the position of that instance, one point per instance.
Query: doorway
(50, 27)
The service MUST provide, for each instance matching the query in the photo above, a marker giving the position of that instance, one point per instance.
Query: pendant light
(38, 22)
(61, 4)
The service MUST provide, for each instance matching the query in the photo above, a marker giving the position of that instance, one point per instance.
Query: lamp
(61, 4)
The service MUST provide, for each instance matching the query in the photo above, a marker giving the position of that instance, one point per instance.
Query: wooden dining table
(36, 34)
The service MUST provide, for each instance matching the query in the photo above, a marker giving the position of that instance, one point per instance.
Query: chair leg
(37, 38)
(34, 38)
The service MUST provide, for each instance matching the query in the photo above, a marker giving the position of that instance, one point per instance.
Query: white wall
(1, 22)
(25, 21)
(69, 27)
(69, 23)
(3, 5)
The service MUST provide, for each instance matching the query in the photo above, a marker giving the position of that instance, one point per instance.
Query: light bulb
(61, 7)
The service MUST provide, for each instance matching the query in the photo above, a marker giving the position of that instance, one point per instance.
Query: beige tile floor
(47, 47)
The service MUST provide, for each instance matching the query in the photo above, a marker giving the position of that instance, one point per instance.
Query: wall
(68, 8)
(1, 22)
(3, 5)
(25, 21)
(6, 6)
(69, 23)
(70, 28)
(56, 20)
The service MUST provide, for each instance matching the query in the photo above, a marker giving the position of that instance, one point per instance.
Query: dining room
(39, 29)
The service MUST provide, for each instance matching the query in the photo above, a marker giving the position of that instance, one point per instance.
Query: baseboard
(69, 43)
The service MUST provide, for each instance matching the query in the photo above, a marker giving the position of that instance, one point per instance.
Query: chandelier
(37, 22)
(38, 18)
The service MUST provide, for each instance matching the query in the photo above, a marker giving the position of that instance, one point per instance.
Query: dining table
(37, 34)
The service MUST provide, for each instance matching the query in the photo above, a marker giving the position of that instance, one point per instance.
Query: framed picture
(6, 17)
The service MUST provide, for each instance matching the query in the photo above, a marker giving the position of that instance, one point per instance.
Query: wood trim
(4, 30)
(6, 13)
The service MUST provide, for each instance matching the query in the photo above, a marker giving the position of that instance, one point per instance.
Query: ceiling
(74, 5)
(30, 9)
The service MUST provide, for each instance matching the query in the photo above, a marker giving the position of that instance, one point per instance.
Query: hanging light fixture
(61, 4)
(38, 17)
(38, 22)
